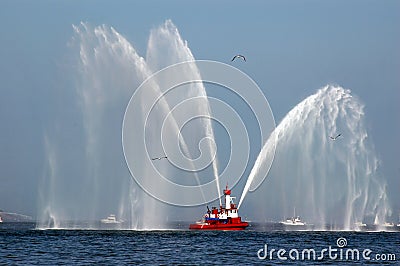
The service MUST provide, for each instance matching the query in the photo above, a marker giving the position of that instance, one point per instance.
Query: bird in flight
(159, 158)
(334, 138)
(239, 56)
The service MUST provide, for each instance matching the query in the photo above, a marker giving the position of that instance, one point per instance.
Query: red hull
(206, 226)
(224, 218)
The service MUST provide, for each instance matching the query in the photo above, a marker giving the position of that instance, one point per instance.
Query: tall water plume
(86, 178)
(325, 180)
(166, 47)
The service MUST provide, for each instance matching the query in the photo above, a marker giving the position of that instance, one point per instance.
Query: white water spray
(108, 70)
(165, 48)
(327, 181)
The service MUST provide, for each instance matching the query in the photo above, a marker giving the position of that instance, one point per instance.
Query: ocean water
(22, 244)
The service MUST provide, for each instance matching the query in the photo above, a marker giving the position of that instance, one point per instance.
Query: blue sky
(292, 47)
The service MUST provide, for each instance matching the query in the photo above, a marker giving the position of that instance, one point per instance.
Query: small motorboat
(111, 219)
(360, 224)
(386, 224)
(295, 220)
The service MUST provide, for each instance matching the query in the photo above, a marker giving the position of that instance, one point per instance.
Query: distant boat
(1, 220)
(386, 224)
(111, 219)
(295, 220)
(360, 224)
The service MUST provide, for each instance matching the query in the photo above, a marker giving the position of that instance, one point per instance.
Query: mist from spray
(330, 183)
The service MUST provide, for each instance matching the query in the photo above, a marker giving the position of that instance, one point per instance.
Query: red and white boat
(224, 218)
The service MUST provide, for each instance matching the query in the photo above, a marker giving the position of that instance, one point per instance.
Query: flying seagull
(159, 158)
(239, 56)
(334, 138)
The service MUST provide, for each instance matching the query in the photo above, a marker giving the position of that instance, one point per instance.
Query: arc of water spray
(337, 181)
(99, 49)
(267, 151)
(177, 51)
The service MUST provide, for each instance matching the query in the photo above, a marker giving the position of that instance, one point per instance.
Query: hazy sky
(292, 48)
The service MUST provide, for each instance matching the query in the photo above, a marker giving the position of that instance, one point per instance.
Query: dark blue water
(22, 244)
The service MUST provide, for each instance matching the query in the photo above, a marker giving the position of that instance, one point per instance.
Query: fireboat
(224, 218)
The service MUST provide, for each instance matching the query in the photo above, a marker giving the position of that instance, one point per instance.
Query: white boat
(360, 224)
(111, 219)
(1, 220)
(295, 220)
(386, 224)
